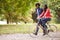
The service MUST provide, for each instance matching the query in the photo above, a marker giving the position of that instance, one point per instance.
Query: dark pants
(43, 22)
(38, 24)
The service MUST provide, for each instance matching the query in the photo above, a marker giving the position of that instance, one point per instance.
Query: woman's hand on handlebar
(38, 17)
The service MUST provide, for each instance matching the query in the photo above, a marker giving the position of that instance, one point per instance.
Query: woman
(45, 16)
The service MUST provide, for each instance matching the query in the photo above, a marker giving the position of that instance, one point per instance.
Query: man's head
(37, 5)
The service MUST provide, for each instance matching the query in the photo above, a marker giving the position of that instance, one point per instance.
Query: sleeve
(38, 12)
(41, 14)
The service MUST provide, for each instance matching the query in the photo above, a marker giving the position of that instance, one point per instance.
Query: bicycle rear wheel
(52, 29)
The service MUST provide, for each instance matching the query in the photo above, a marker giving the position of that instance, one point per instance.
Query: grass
(22, 28)
(8, 29)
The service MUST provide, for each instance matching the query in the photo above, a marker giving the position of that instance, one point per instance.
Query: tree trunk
(16, 23)
(7, 21)
(58, 11)
(25, 22)
(58, 17)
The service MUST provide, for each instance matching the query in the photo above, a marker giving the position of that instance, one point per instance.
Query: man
(38, 12)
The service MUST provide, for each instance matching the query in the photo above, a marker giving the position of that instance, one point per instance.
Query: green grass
(22, 28)
(58, 27)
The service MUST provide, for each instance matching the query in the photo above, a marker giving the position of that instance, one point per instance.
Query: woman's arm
(41, 15)
(47, 12)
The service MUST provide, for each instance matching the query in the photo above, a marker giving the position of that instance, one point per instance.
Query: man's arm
(41, 14)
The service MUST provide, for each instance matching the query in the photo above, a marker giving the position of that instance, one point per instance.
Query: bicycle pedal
(51, 30)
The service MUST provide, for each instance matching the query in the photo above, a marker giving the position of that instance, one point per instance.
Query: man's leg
(37, 27)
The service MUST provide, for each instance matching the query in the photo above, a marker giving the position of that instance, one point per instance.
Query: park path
(18, 36)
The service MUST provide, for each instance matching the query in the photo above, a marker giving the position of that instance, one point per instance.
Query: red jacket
(46, 14)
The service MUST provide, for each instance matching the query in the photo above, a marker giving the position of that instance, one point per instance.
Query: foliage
(19, 10)
(14, 10)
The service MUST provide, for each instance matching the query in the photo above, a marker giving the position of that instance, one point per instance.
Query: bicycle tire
(53, 29)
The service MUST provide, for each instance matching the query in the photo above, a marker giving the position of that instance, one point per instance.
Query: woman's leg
(44, 20)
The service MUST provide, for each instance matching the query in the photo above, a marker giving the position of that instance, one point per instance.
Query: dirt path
(18, 36)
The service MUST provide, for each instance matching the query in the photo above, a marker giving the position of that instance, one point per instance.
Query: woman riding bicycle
(45, 16)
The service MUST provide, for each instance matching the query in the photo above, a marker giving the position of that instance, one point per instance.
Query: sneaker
(48, 31)
(35, 33)
(44, 34)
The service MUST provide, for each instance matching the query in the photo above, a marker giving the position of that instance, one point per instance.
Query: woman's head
(45, 7)
(37, 5)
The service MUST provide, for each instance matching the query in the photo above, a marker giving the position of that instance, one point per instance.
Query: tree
(55, 6)
(14, 10)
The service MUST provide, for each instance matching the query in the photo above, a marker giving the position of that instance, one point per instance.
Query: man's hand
(38, 17)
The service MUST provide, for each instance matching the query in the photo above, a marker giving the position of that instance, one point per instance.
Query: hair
(45, 7)
(37, 4)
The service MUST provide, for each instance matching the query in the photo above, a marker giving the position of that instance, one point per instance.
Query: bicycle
(51, 29)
